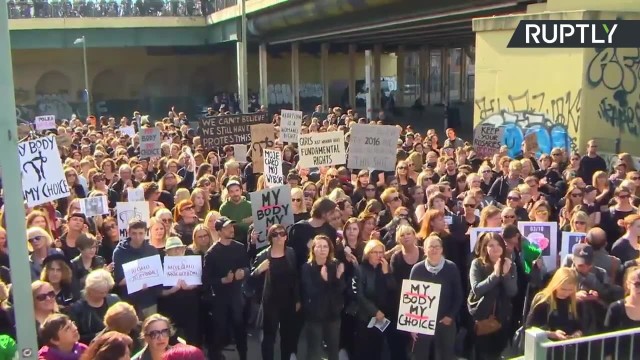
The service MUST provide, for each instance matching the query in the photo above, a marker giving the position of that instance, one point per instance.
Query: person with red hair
(183, 352)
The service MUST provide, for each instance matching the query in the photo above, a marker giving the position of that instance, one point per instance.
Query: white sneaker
(293, 357)
(343, 355)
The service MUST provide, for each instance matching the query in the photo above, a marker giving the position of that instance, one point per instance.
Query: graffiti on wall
(617, 72)
(555, 119)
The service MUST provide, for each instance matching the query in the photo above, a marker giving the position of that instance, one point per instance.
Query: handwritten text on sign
(45, 122)
(143, 272)
(418, 311)
(373, 147)
(228, 129)
(43, 177)
(321, 149)
(273, 168)
(150, 142)
(187, 268)
(290, 125)
(269, 207)
(487, 140)
(262, 137)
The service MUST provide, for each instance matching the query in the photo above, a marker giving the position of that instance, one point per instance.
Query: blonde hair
(182, 194)
(562, 276)
(402, 230)
(369, 246)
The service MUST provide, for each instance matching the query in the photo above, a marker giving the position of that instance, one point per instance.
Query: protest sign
(262, 137)
(228, 129)
(273, 168)
(45, 122)
(127, 211)
(268, 207)
(474, 234)
(322, 149)
(43, 177)
(418, 311)
(143, 272)
(94, 206)
(487, 140)
(545, 236)
(290, 125)
(240, 152)
(187, 268)
(150, 142)
(135, 194)
(128, 130)
(63, 140)
(373, 147)
(569, 240)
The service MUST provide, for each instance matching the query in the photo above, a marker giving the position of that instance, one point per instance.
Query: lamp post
(13, 200)
(243, 91)
(83, 41)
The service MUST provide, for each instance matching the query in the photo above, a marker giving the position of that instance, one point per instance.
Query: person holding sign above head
(226, 264)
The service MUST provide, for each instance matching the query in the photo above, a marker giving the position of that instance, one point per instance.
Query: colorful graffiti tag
(554, 119)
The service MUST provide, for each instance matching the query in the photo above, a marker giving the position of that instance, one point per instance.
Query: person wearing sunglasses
(156, 332)
(39, 245)
(300, 211)
(60, 337)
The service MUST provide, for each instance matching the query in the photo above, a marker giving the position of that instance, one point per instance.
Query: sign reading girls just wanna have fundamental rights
(321, 149)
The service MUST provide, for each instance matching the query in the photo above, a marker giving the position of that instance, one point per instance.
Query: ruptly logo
(575, 34)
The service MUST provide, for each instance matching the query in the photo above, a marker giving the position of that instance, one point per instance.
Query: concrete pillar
(445, 70)
(295, 76)
(376, 98)
(464, 86)
(424, 65)
(352, 75)
(241, 67)
(324, 74)
(263, 56)
(400, 75)
(368, 83)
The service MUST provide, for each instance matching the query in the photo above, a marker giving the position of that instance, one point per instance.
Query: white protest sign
(128, 130)
(150, 142)
(373, 147)
(321, 149)
(43, 177)
(45, 122)
(474, 234)
(545, 236)
(127, 211)
(290, 125)
(94, 206)
(240, 152)
(273, 168)
(569, 240)
(187, 268)
(418, 310)
(145, 271)
(135, 194)
(269, 207)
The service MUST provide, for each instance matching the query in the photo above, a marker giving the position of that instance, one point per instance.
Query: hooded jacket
(51, 353)
(125, 253)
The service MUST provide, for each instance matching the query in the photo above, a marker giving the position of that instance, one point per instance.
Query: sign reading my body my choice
(228, 129)
(43, 177)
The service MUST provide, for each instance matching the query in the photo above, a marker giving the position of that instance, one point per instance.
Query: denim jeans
(329, 331)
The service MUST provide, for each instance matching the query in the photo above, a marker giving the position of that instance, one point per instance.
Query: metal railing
(617, 345)
(113, 8)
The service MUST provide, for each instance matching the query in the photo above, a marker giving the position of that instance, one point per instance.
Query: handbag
(489, 325)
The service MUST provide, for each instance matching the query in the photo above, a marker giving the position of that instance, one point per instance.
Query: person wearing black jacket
(302, 232)
(276, 271)
(322, 285)
(125, 180)
(501, 187)
(225, 266)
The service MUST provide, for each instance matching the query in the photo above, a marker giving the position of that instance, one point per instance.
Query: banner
(373, 147)
(45, 122)
(223, 130)
(569, 240)
(150, 142)
(418, 311)
(187, 268)
(128, 130)
(43, 177)
(269, 207)
(127, 211)
(322, 149)
(94, 206)
(290, 125)
(143, 272)
(262, 137)
(474, 234)
(273, 168)
(487, 140)
(545, 236)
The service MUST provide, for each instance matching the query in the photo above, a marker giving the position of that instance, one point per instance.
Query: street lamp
(82, 40)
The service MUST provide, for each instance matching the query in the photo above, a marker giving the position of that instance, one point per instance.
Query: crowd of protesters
(357, 235)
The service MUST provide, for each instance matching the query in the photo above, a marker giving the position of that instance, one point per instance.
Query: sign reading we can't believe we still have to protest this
(43, 177)
(228, 129)
(321, 149)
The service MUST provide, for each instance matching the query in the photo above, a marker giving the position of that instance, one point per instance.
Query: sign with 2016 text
(269, 207)
(143, 272)
(228, 129)
(321, 149)
(290, 125)
(45, 122)
(127, 211)
(273, 168)
(262, 137)
(487, 140)
(150, 142)
(373, 147)
(418, 311)
(43, 177)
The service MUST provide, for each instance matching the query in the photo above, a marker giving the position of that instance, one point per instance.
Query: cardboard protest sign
(569, 240)
(290, 125)
(23, 130)
(545, 236)
(127, 211)
(418, 310)
(373, 147)
(262, 137)
(474, 234)
(269, 207)
(45, 122)
(135, 194)
(187, 268)
(150, 142)
(273, 168)
(43, 177)
(94, 206)
(487, 140)
(240, 152)
(63, 140)
(128, 130)
(322, 149)
(145, 271)
(228, 129)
